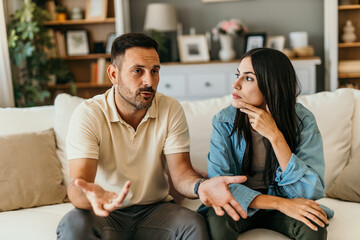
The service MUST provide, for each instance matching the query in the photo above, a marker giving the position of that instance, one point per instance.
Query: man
(125, 134)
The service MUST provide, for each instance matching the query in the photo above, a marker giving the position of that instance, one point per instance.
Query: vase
(349, 35)
(227, 51)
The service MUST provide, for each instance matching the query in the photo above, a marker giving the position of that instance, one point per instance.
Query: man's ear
(113, 72)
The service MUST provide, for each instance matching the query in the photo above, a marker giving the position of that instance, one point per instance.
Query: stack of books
(99, 71)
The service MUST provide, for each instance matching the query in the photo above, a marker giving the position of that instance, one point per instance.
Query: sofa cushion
(345, 223)
(355, 135)
(199, 116)
(21, 120)
(333, 112)
(40, 223)
(37, 223)
(65, 105)
(347, 184)
(31, 174)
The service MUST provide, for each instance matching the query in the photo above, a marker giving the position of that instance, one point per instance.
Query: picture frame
(96, 9)
(111, 37)
(77, 42)
(254, 40)
(193, 48)
(276, 42)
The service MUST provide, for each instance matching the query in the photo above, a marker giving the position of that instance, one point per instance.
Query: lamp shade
(160, 17)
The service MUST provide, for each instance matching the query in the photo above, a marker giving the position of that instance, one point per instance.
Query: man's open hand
(103, 202)
(215, 193)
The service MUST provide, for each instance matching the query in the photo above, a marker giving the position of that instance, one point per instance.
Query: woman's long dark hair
(278, 83)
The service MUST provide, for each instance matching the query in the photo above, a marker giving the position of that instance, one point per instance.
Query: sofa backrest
(65, 105)
(337, 115)
(199, 116)
(23, 120)
(355, 137)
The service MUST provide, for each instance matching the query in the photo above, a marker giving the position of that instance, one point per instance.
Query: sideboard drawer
(172, 85)
(304, 75)
(206, 85)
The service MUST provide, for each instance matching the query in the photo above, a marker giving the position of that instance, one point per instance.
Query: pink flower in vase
(231, 27)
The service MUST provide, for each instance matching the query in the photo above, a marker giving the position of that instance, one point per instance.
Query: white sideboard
(214, 79)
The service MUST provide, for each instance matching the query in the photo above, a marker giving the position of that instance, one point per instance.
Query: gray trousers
(140, 222)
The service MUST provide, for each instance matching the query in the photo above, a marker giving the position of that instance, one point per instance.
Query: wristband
(197, 184)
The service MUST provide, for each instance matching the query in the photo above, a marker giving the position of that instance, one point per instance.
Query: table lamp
(161, 18)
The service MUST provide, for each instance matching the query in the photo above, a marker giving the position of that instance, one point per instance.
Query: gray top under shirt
(258, 163)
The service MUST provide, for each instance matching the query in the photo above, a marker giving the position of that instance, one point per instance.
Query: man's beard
(136, 101)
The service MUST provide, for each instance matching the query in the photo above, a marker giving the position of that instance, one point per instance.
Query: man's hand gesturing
(215, 193)
(103, 202)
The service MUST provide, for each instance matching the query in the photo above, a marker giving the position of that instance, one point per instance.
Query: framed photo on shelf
(254, 40)
(193, 48)
(275, 42)
(77, 42)
(96, 9)
(111, 37)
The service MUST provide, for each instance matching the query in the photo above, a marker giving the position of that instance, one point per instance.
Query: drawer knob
(207, 84)
(167, 85)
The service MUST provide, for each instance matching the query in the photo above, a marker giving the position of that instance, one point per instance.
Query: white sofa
(337, 114)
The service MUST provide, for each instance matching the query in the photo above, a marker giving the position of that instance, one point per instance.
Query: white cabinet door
(306, 72)
(305, 80)
(207, 85)
(173, 85)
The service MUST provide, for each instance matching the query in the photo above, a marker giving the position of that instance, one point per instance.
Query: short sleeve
(178, 139)
(82, 139)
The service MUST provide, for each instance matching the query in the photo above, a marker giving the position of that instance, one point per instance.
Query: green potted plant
(31, 50)
(164, 45)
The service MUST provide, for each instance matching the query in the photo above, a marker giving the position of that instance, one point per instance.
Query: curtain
(6, 87)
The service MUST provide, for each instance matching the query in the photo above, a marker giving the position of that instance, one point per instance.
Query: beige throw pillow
(333, 112)
(347, 184)
(30, 173)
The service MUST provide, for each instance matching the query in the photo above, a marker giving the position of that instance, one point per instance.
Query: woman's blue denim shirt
(303, 177)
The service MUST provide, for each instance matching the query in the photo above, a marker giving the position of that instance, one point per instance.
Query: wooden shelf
(349, 7)
(349, 75)
(79, 22)
(347, 45)
(235, 61)
(93, 85)
(88, 56)
(82, 85)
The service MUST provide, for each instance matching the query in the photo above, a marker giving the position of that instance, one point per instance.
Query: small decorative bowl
(288, 52)
(304, 51)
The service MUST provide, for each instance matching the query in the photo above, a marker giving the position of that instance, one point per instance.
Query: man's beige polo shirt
(97, 131)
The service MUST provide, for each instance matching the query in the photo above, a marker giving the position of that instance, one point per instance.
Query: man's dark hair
(129, 40)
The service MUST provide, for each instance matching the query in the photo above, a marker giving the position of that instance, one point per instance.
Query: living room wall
(275, 17)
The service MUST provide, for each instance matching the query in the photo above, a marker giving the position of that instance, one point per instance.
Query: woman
(276, 143)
